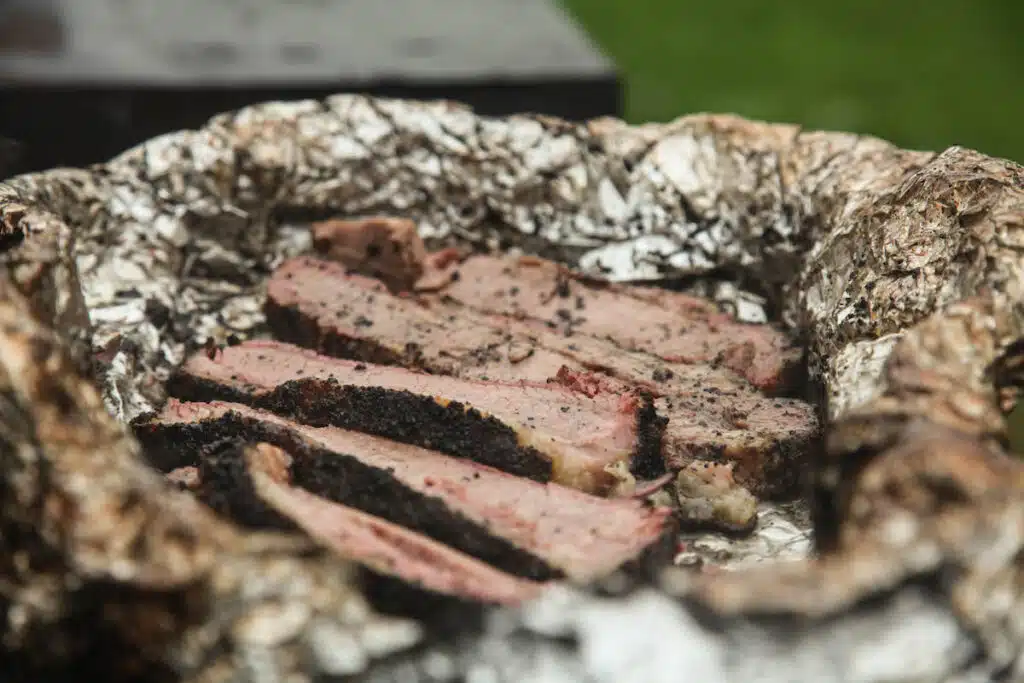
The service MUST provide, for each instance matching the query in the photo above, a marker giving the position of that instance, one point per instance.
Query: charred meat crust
(291, 325)
(546, 431)
(332, 477)
(648, 462)
(452, 428)
(712, 404)
(343, 479)
(227, 487)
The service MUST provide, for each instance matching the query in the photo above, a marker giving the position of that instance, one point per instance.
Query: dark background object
(81, 80)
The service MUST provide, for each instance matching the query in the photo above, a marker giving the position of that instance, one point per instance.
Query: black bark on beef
(379, 493)
(451, 428)
(344, 479)
(541, 431)
(227, 487)
(553, 530)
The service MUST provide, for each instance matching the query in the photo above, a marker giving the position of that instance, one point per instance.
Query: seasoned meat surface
(711, 411)
(546, 431)
(522, 526)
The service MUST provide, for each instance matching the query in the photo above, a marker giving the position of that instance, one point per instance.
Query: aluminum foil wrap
(901, 271)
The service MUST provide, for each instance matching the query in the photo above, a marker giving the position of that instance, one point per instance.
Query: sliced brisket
(391, 549)
(543, 431)
(518, 525)
(318, 305)
(251, 483)
(671, 325)
(711, 411)
(767, 439)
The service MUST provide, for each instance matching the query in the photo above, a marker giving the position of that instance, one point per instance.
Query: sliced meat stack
(318, 304)
(712, 411)
(673, 326)
(476, 426)
(546, 432)
(519, 525)
(252, 483)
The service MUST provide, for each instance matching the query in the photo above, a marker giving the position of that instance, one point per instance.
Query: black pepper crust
(452, 428)
(344, 479)
(647, 463)
(226, 486)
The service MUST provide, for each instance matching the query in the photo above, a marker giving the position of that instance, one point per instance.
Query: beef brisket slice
(671, 325)
(711, 412)
(388, 249)
(318, 305)
(391, 549)
(544, 431)
(518, 525)
(250, 483)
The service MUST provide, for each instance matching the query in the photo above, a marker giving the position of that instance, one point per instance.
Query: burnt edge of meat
(788, 464)
(343, 479)
(290, 325)
(447, 615)
(795, 379)
(785, 470)
(228, 489)
(647, 462)
(453, 429)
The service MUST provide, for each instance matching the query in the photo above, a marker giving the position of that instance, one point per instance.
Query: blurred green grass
(924, 75)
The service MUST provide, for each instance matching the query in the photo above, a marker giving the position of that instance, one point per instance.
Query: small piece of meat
(710, 499)
(767, 439)
(544, 431)
(389, 249)
(668, 324)
(646, 489)
(185, 478)
(539, 531)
